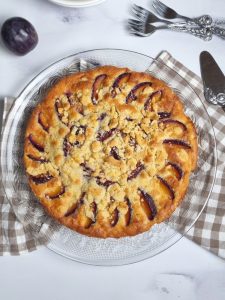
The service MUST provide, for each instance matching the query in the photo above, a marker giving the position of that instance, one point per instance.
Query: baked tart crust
(109, 152)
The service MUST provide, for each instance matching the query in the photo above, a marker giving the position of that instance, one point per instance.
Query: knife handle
(212, 98)
(219, 31)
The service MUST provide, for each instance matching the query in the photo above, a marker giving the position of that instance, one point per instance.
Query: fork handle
(205, 20)
(219, 22)
(219, 31)
(201, 32)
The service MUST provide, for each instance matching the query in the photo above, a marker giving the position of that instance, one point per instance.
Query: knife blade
(213, 79)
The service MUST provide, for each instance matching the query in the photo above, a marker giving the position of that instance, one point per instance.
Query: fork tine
(160, 4)
(158, 10)
(135, 22)
(135, 31)
(141, 34)
(139, 11)
(157, 5)
(136, 28)
(137, 25)
(136, 7)
(138, 14)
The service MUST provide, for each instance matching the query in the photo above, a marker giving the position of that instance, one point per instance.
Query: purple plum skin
(115, 217)
(19, 35)
(97, 83)
(43, 178)
(136, 171)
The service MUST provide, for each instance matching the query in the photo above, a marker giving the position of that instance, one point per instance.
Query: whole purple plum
(19, 35)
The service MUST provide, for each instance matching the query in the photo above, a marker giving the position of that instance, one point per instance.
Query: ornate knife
(213, 80)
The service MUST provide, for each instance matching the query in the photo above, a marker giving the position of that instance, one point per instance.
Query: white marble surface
(185, 271)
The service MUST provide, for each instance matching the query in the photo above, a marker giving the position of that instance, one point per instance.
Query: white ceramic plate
(77, 3)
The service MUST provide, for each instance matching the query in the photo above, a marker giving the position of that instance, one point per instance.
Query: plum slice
(149, 204)
(38, 159)
(123, 134)
(129, 212)
(35, 144)
(129, 119)
(177, 168)
(57, 110)
(106, 183)
(171, 121)
(115, 217)
(116, 84)
(140, 86)
(69, 97)
(94, 208)
(75, 103)
(57, 195)
(71, 211)
(60, 116)
(133, 143)
(150, 97)
(177, 142)
(136, 171)
(115, 153)
(41, 122)
(80, 129)
(98, 83)
(43, 178)
(66, 147)
(102, 136)
(102, 116)
(166, 184)
(74, 208)
(87, 170)
(164, 114)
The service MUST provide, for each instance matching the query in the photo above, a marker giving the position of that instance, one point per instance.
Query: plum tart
(109, 152)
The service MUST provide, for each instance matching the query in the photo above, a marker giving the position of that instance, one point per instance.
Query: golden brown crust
(109, 152)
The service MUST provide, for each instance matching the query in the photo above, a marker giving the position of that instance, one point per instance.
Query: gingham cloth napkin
(15, 239)
(208, 231)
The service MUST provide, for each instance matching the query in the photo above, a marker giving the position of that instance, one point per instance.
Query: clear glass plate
(74, 245)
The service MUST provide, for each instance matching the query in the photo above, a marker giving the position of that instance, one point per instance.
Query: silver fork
(168, 13)
(144, 29)
(146, 16)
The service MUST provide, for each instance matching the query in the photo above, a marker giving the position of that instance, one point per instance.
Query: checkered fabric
(208, 231)
(15, 239)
